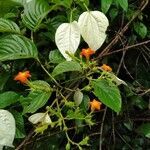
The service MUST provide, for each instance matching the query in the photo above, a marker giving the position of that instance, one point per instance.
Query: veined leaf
(93, 25)
(8, 26)
(67, 38)
(34, 12)
(16, 47)
(66, 67)
(37, 98)
(43, 118)
(108, 93)
(7, 128)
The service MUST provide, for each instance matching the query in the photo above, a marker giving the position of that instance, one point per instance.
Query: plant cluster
(61, 87)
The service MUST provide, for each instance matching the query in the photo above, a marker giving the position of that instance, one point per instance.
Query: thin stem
(85, 6)
(49, 74)
(101, 129)
(71, 13)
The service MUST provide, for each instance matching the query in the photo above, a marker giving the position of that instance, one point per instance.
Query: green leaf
(108, 93)
(144, 129)
(34, 12)
(40, 85)
(8, 98)
(20, 130)
(56, 57)
(123, 4)
(140, 29)
(105, 5)
(84, 141)
(34, 101)
(66, 67)
(16, 47)
(8, 26)
(37, 98)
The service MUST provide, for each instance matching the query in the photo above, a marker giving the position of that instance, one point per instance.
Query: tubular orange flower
(87, 53)
(106, 68)
(95, 105)
(23, 76)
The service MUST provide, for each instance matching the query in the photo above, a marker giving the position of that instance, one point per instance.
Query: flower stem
(85, 6)
(49, 74)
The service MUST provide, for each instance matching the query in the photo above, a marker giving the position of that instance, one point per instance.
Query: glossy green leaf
(105, 5)
(108, 93)
(140, 29)
(34, 12)
(144, 129)
(16, 47)
(8, 26)
(8, 98)
(66, 67)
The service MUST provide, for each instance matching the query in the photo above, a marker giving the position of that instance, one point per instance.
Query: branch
(120, 33)
(127, 48)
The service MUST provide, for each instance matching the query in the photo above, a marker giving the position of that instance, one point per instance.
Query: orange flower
(95, 105)
(87, 53)
(106, 68)
(22, 76)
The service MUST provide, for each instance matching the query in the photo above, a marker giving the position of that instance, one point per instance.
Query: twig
(101, 130)
(25, 140)
(124, 140)
(127, 48)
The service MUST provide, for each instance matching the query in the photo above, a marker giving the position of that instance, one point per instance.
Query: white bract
(78, 97)
(40, 118)
(67, 38)
(93, 25)
(7, 128)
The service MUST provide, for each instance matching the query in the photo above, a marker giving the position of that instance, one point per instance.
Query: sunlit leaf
(93, 25)
(67, 38)
(8, 26)
(34, 12)
(66, 67)
(16, 47)
(40, 118)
